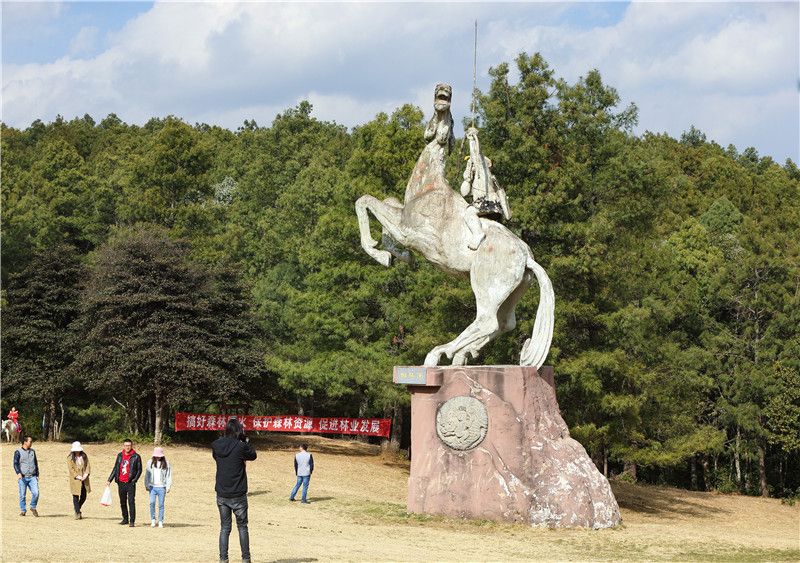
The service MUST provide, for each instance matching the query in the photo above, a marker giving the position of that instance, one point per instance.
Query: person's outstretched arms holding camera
(249, 453)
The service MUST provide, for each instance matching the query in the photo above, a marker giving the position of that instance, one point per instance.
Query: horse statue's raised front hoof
(368, 242)
(432, 359)
(383, 257)
(458, 358)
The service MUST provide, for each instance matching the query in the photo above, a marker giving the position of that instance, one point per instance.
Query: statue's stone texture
(527, 468)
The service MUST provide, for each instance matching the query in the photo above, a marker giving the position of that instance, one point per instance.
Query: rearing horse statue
(431, 221)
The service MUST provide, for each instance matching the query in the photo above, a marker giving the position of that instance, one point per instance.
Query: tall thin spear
(474, 108)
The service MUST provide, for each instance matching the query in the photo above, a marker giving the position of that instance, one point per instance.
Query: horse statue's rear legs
(496, 296)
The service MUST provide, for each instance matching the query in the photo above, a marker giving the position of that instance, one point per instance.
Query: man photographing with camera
(231, 451)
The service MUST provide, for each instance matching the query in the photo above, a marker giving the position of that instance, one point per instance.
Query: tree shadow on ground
(350, 447)
(397, 461)
(291, 442)
(338, 446)
(662, 501)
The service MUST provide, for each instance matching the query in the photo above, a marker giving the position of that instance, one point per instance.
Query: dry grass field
(358, 513)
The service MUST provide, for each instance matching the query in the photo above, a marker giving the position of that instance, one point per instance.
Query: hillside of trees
(169, 266)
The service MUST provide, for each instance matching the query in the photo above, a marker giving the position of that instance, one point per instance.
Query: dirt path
(358, 514)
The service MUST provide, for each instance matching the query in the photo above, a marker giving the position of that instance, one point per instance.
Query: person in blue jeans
(26, 466)
(303, 468)
(231, 452)
(158, 481)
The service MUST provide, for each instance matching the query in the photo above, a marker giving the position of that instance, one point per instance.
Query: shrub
(96, 423)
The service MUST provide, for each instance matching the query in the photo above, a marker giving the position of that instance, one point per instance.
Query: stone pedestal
(489, 442)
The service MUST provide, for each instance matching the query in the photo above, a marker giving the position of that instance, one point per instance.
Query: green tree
(38, 336)
(169, 177)
(157, 325)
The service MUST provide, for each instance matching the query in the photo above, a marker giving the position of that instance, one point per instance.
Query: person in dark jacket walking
(127, 470)
(231, 452)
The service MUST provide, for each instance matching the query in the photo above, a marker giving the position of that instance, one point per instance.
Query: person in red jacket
(127, 470)
(13, 415)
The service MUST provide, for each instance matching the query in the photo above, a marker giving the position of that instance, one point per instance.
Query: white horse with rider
(436, 220)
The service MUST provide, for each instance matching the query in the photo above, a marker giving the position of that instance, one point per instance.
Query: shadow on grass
(404, 467)
(746, 554)
(182, 525)
(71, 516)
(662, 501)
(275, 441)
(298, 560)
(258, 493)
(338, 446)
(115, 518)
(312, 499)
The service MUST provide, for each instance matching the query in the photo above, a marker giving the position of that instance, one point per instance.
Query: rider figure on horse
(488, 198)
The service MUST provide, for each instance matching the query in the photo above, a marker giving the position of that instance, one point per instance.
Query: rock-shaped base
(525, 469)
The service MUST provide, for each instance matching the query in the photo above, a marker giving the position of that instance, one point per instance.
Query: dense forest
(163, 267)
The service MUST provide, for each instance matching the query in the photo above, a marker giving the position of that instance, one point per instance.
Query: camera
(242, 436)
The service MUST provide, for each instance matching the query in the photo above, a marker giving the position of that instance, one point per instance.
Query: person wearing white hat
(79, 470)
(158, 481)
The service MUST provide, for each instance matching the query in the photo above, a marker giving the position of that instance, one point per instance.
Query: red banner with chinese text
(286, 423)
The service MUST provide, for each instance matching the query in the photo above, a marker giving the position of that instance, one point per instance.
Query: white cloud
(179, 34)
(751, 54)
(84, 41)
(233, 118)
(185, 59)
(729, 69)
(69, 87)
(28, 13)
(349, 109)
(682, 63)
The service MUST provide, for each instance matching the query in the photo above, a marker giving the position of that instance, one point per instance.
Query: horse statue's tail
(535, 349)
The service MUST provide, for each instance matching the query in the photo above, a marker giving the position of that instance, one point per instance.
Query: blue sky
(730, 69)
(46, 32)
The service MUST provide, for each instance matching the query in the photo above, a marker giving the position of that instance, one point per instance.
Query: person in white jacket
(303, 468)
(158, 481)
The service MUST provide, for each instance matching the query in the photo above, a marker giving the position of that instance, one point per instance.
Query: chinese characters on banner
(286, 423)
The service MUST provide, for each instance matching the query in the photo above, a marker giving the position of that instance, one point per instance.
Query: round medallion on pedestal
(462, 422)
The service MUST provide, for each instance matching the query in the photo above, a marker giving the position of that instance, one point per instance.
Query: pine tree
(39, 330)
(157, 325)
